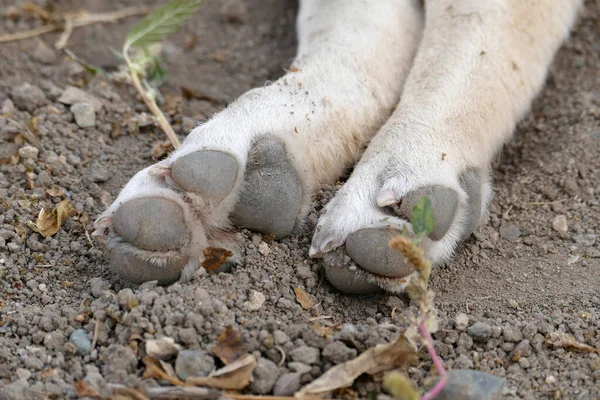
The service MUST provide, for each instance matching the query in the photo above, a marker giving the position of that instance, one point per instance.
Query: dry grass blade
(234, 376)
(558, 339)
(382, 357)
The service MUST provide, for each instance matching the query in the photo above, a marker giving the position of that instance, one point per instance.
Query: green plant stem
(151, 104)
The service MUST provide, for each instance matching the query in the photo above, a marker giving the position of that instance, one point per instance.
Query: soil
(532, 269)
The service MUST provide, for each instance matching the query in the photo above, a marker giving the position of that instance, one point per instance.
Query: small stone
(480, 331)
(80, 339)
(98, 285)
(550, 380)
(585, 240)
(28, 97)
(299, 367)
(193, 363)
(524, 363)
(98, 173)
(264, 249)
(163, 348)
(592, 253)
(7, 151)
(73, 95)
(280, 337)
(509, 232)
(523, 349)
(305, 355)
(84, 114)
(463, 362)
(512, 334)
(513, 304)
(287, 384)
(28, 152)
(54, 340)
(265, 376)
(44, 54)
(22, 373)
(471, 385)
(127, 299)
(15, 390)
(461, 321)
(559, 224)
(338, 352)
(255, 301)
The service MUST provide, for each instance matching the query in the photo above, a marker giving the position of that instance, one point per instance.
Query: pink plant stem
(432, 394)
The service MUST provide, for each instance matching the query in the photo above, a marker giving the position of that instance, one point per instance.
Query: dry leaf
(324, 331)
(49, 222)
(161, 149)
(558, 339)
(56, 191)
(154, 370)
(234, 376)
(84, 390)
(382, 357)
(303, 299)
(214, 257)
(230, 346)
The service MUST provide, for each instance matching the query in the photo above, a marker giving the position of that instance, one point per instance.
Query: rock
(8, 150)
(299, 367)
(287, 384)
(585, 240)
(80, 339)
(84, 114)
(306, 355)
(15, 390)
(509, 232)
(265, 375)
(559, 224)
(98, 285)
(193, 363)
(163, 348)
(28, 97)
(338, 352)
(22, 373)
(255, 301)
(461, 321)
(523, 349)
(119, 361)
(280, 337)
(471, 385)
(127, 299)
(550, 380)
(513, 304)
(28, 152)
(463, 362)
(73, 95)
(512, 334)
(8, 107)
(264, 249)
(98, 173)
(480, 331)
(44, 54)
(54, 340)
(592, 253)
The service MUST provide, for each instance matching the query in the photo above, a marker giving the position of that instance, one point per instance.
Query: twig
(546, 203)
(96, 333)
(61, 43)
(175, 392)
(75, 21)
(150, 102)
(437, 362)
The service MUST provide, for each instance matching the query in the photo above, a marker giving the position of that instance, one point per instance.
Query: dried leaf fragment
(49, 221)
(382, 357)
(559, 339)
(84, 390)
(234, 376)
(214, 257)
(229, 346)
(303, 299)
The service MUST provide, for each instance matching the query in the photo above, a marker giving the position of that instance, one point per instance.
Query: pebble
(287, 384)
(163, 348)
(22, 373)
(550, 379)
(512, 334)
(513, 304)
(338, 352)
(305, 355)
(265, 376)
(523, 349)
(80, 339)
(255, 301)
(28, 97)
(28, 152)
(585, 240)
(510, 232)
(73, 95)
(98, 173)
(480, 331)
(264, 249)
(44, 54)
(98, 285)
(471, 385)
(461, 321)
(299, 367)
(559, 224)
(193, 363)
(84, 114)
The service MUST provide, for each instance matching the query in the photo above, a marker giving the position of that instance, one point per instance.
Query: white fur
(478, 66)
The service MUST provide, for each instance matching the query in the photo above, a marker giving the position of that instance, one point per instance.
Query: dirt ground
(532, 269)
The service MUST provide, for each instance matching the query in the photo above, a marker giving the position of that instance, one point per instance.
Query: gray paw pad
(137, 271)
(211, 174)
(470, 181)
(370, 249)
(340, 275)
(271, 197)
(444, 202)
(154, 224)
